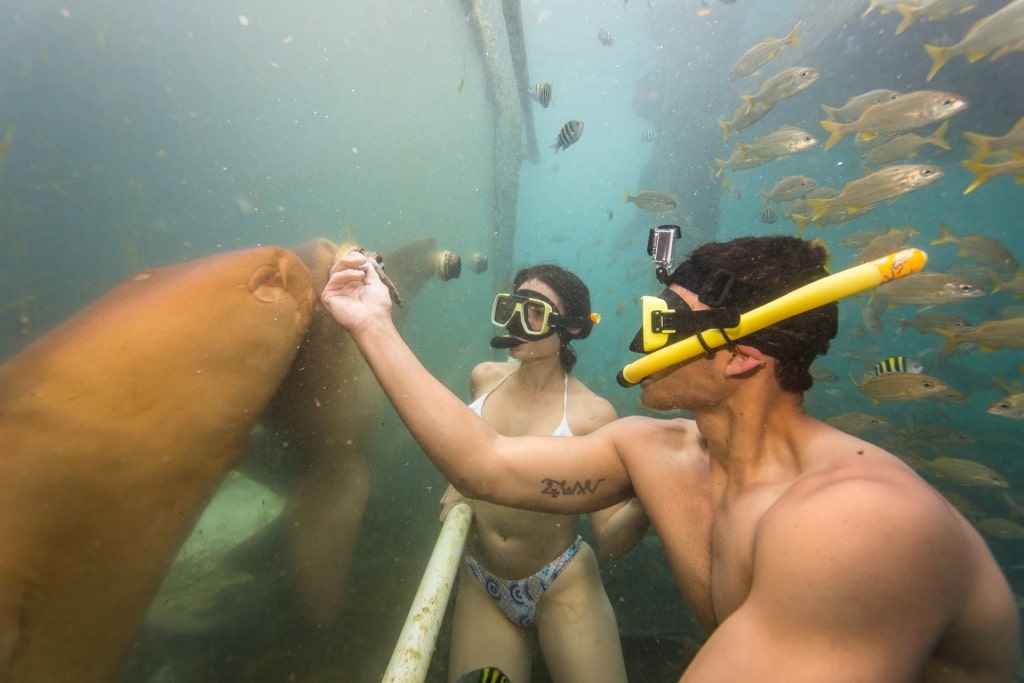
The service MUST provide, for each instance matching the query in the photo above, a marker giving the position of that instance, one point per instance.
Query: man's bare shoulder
(878, 517)
(650, 438)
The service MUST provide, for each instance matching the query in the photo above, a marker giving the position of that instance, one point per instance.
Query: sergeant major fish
(898, 364)
(541, 92)
(569, 135)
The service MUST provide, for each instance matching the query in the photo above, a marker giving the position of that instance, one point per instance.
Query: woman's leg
(576, 624)
(483, 636)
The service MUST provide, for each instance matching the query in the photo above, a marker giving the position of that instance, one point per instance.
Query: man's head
(751, 271)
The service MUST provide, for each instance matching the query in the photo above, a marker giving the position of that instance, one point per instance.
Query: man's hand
(354, 293)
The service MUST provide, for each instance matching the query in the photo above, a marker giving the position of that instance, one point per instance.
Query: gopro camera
(660, 242)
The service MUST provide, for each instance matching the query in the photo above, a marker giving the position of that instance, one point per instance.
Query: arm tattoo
(556, 488)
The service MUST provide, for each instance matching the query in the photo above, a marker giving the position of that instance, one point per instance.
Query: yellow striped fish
(999, 33)
(488, 674)
(991, 335)
(900, 114)
(898, 364)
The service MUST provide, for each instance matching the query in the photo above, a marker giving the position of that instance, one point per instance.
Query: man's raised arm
(554, 474)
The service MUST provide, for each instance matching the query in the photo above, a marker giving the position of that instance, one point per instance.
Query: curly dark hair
(765, 268)
(575, 301)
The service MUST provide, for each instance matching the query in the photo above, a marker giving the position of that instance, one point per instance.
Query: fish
(833, 216)
(822, 374)
(861, 238)
(789, 188)
(800, 206)
(966, 506)
(569, 135)
(1010, 407)
(928, 289)
(898, 364)
(606, 37)
(649, 135)
(871, 315)
(886, 184)
(1015, 285)
(985, 146)
(866, 143)
(767, 215)
(1000, 529)
(541, 92)
(964, 472)
(856, 105)
(906, 386)
(906, 112)
(744, 117)
(783, 85)
(933, 9)
(904, 146)
(991, 335)
(649, 200)
(984, 250)
(610, 213)
(762, 53)
(895, 239)
(856, 423)
(931, 321)
(985, 172)
(887, 6)
(778, 144)
(487, 674)
(1000, 33)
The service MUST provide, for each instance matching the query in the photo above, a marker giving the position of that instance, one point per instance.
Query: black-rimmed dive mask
(526, 315)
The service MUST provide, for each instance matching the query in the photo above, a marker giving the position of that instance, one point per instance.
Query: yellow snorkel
(810, 296)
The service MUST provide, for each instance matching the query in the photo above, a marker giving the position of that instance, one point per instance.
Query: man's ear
(744, 359)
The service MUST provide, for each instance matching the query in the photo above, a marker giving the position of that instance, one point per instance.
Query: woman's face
(548, 345)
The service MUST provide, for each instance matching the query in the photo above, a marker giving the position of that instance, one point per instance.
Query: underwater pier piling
(498, 34)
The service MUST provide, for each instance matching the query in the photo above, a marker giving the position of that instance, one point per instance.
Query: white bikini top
(562, 429)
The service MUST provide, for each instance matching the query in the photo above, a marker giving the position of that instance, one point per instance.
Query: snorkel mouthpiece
(505, 342)
(810, 296)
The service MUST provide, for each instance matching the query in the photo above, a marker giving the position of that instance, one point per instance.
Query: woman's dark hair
(759, 270)
(575, 312)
